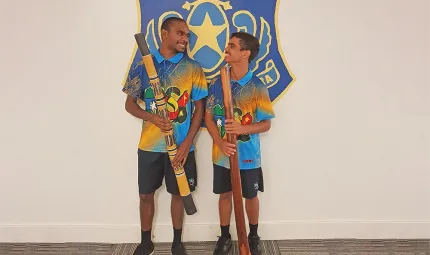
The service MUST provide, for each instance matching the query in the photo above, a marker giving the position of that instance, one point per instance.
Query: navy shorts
(153, 167)
(252, 181)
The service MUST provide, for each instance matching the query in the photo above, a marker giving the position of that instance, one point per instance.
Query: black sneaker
(144, 249)
(254, 245)
(223, 246)
(178, 249)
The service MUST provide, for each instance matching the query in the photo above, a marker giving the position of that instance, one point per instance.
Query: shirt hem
(199, 98)
(160, 151)
(241, 169)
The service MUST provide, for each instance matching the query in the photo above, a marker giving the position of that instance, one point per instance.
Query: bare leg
(177, 211)
(252, 210)
(225, 208)
(146, 207)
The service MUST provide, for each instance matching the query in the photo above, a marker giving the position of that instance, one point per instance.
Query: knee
(251, 199)
(146, 198)
(177, 198)
(226, 196)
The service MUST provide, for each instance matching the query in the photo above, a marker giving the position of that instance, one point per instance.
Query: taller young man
(253, 112)
(183, 81)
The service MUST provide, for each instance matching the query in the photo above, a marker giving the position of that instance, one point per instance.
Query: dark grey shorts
(155, 166)
(252, 181)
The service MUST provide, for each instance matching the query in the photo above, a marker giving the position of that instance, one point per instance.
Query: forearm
(134, 109)
(195, 122)
(257, 128)
(212, 128)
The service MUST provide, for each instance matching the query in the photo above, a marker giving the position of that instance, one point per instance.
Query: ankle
(145, 236)
(253, 230)
(227, 236)
(177, 236)
(225, 231)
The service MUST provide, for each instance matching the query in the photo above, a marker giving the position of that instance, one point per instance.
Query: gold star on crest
(207, 36)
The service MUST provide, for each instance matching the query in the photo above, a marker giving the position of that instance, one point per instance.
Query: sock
(177, 235)
(253, 229)
(145, 236)
(225, 231)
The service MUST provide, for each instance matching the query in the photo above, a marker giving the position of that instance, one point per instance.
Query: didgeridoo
(234, 166)
(172, 148)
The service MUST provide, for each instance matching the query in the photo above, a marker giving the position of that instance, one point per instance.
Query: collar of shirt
(244, 79)
(175, 59)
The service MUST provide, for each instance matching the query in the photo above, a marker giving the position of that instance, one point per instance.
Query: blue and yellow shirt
(183, 81)
(251, 105)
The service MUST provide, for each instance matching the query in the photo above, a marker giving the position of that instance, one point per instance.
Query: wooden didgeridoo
(160, 99)
(236, 184)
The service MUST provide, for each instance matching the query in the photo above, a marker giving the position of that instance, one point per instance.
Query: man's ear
(163, 34)
(246, 54)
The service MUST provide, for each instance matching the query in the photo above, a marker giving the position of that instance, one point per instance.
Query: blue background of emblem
(153, 9)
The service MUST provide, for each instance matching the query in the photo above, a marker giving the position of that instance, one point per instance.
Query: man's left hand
(181, 155)
(233, 127)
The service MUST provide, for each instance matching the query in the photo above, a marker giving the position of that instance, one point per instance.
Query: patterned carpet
(287, 247)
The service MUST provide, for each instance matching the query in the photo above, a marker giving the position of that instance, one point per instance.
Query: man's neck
(238, 71)
(167, 53)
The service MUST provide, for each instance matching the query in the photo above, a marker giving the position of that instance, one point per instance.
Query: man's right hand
(227, 148)
(164, 125)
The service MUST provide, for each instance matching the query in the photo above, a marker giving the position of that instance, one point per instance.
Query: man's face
(233, 54)
(177, 36)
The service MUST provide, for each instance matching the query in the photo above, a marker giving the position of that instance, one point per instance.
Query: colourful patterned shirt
(183, 81)
(251, 105)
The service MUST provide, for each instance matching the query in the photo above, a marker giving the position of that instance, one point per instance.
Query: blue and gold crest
(211, 23)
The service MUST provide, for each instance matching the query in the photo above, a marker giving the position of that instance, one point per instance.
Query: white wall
(348, 155)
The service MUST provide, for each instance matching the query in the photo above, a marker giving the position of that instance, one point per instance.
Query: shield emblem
(211, 23)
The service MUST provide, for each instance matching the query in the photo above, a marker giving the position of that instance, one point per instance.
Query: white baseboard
(209, 232)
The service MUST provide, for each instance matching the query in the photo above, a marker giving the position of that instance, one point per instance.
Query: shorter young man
(252, 114)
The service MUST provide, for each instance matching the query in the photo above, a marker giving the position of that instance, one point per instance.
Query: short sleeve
(200, 86)
(264, 105)
(133, 83)
(210, 101)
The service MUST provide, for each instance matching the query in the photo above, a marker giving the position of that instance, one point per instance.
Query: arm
(264, 114)
(213, 129)
(259, 127)
(226, 147)
(184, 148)
(209, 119)
(134, 109)
(198, 92)
(233, 127)
(133, 89)
(195, 123)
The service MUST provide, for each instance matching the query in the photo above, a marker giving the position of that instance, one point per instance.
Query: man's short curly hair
(248, 42)
(168, 22)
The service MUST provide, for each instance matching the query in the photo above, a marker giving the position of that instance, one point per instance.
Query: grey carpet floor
(287, 247)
